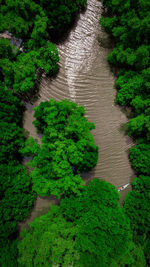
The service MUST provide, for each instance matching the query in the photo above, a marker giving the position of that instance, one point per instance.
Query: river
(85, 78)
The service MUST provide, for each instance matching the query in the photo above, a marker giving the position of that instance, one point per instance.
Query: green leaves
(16, 196)
(139, 126)
(129, 24)
(34, 22)
(25, 67)
(50, 241)
(136, 206)
(139, 157)
(85, 230)
(36, 19)
(67, 148)
(101, 223)
(31, 147)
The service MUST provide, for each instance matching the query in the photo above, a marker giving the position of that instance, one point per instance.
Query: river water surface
(85, 78)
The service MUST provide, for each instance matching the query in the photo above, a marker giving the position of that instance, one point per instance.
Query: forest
(128, 25)
(89, 227)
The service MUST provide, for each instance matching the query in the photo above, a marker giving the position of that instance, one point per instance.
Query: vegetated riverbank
(85, 78)
(73, 233)
(95, 216)
(34, 24)
(129, 25)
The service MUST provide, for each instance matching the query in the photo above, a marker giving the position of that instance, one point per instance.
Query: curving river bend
(85, 78)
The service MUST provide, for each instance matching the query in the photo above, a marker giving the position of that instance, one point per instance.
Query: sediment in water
(85, 78)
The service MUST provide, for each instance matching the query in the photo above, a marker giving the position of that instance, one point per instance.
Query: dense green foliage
(8, 54)
(50, 241)
(89, 227)
(67, 148)
(35, 22)
(19, 70)
(16, 196)
(136, 206)
(129, 25)
(104, 232)
(37, 19)
(24, 68)
(140, 158)
(89, 230)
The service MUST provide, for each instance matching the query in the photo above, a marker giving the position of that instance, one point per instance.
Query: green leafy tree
(24, 72)
(133, 258)
(67, 148)
(130, 29)
(47, 58)
(90, 230)
(7, 50)
(11, 108)
(129, 84)
(139, 126)
(104, 230)
(140, 105)
(139, 157)
(52, 173)
(17, 199)
(34, 18)
(136, 206)
(11, 141)
(49, 241)
(9, 253)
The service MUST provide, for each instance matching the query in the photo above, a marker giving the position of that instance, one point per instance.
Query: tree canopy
(136, 207)
(66, 150)
(37, 19)
(16, 195)
(129, 26)
(49, 241)
(36, 23)
(89, 230)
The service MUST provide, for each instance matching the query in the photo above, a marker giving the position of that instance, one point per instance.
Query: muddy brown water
(85, 78)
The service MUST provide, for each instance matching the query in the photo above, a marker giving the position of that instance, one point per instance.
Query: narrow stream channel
(85, 78)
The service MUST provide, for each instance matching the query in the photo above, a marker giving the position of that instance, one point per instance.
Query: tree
(90, 230)
(9, 253)
(11, 108)
(47, 58)
(52, 173)
(139, 157)
(11, 141)
(130, 29)
(67, 148)
(139, 126)
(49, 241)
(31, 19)
(103, 229)
(7, 50)
(133, 258)
(16, 199)
(140, 105)
(136, 207)
(24, 72)
(129, 84)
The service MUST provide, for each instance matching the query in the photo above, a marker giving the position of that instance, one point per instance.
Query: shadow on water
(63, 36)
(106, 42)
